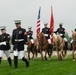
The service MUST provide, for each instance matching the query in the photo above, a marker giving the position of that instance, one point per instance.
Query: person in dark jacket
(19, 38)
(4, 44)
(29, 35)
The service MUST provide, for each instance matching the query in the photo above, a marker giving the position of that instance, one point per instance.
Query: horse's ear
(41, 32)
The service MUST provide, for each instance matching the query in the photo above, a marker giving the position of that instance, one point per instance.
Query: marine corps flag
(52, 25)
(38, 23)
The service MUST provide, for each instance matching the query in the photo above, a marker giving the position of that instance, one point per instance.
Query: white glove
(28, 36)
(3, 43)
(61, 34)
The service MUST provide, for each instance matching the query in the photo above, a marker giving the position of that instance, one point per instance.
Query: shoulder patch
(8, 36)
(25, 33)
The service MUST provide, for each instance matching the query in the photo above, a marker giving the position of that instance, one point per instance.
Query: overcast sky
(64, 11)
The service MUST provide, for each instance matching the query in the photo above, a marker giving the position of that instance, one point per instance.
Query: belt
(46, 34)
(2, 43)
(61, 34)
(19, 40)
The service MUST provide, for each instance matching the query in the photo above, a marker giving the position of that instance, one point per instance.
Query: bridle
(41, 39)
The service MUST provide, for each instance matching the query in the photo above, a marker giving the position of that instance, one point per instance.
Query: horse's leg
(36, 52)
(33, 51)
(41, 55)
(59, 57)
(73, 58)
(32, 55)
(51, 53)
(45, 54)
(65, 52)
(60, 54)
(28, 54)
(50, 50)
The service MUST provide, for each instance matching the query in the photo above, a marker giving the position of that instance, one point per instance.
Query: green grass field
(39, 67)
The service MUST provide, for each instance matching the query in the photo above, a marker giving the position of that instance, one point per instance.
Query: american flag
(38, 23)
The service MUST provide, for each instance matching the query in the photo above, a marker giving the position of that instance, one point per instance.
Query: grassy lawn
(39, 67)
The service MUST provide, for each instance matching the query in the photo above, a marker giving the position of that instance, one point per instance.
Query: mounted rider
(61, 32)
(46, 32)
(29, 35)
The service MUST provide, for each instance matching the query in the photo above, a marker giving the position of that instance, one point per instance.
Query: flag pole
(52, 25)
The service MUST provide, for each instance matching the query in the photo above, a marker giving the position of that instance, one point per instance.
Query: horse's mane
(57, 37)
(59, 41)
(42, 37)
(40, 33)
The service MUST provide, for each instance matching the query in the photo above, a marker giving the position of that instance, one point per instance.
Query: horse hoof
(32, 58)
(29, 58)
(42, 59)
(48, 58)
(65, 57)
(73, 59)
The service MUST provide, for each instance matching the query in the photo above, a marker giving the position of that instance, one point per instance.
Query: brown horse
(73, 44)
(36, 47)
(43, 45)
(29, 49)
(59, 43)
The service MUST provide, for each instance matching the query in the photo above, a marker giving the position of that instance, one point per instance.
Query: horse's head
(41, 37)
(59, 41)
(74, 40)
(56, 37)
(74, 35)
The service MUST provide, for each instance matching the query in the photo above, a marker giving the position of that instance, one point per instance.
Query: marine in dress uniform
(19, 38)
(46, 32)
(4, 44)
(61, 32)
(29, 35)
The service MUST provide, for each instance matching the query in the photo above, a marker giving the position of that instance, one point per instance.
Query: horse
(43, 45)
(73, 44)
(29, 49)
(36, 47)
(59, 44)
